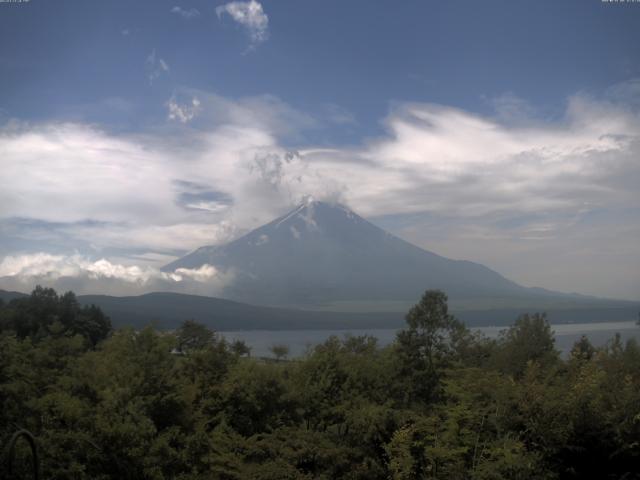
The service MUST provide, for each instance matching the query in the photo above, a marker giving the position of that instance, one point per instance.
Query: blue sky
(59, 58)
(501, 132)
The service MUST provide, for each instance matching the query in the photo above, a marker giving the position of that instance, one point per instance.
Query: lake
(299, 341)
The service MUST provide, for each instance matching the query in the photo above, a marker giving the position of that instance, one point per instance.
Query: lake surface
(299, 341)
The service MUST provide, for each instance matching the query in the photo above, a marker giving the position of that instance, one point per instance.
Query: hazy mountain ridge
(321, 253)
(7, 296)
(169, 310)
(337, 268)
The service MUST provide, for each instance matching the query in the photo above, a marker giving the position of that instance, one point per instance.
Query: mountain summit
(322, 253)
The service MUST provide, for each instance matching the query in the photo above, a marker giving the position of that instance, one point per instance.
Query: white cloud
(475, 187)
(23, 272)
(55, 266)
(265, 113)
(201, 274)
(44, 265)
(184, 112)
(251, 16)
(155, 67)
(186, 13)
(434, 158)
(71, 172)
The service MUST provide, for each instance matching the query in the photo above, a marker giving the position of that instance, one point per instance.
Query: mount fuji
(323, 255)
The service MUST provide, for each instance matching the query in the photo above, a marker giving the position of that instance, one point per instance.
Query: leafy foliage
(439, 403)
(44, 313)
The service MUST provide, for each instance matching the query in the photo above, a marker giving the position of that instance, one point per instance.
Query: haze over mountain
(325, 255)
(166, 310)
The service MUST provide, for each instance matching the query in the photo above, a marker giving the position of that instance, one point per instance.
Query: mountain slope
(168, 310)
(322, 253)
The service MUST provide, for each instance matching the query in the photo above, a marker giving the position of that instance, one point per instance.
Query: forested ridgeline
(440, 402)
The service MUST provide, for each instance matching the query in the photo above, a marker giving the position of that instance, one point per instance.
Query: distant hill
(168, 310)
(322, 255)
(6, 296)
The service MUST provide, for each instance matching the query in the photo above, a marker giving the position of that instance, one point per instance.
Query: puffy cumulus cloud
(251, 16)
(464, 185)
(56, 266)
(23, 272)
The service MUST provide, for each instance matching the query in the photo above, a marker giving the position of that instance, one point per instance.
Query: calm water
(299, 341)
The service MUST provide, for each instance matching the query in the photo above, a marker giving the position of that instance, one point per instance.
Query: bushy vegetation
(439, 403)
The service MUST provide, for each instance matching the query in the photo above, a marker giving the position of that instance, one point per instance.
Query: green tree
(255, 398)
(582, 349)
(193, 335)
(427, 344)
(280, 351)
(127, 407)
(240, 348)
(530, 339)
(44, 313)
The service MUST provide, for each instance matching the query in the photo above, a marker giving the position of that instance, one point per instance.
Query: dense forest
(441, 402)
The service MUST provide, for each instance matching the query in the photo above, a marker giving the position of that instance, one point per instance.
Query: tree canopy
(439, 403)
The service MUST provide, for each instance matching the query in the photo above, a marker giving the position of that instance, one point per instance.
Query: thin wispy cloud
(250, 15)
(186, 13)
(155, 67)
(512, 109)
(339, 115)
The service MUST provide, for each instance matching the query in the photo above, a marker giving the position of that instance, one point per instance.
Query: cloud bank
(550, 203)
(21, 272)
